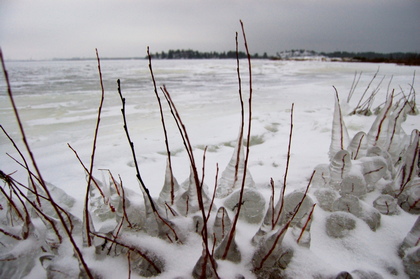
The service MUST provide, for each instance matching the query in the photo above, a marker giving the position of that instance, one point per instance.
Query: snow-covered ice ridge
(358, 219)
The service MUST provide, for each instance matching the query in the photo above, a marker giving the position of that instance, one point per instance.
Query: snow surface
(58, 103)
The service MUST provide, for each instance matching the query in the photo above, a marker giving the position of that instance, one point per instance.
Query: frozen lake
(58, 103)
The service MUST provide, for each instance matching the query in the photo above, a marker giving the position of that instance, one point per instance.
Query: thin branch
(143, 187)
(289, 148)
(87, 171)
(188, 147)
(214, 191)
(130, 248)
(241, 130)
(235, 220)
(162, 119)
(306, 223)
(25, 166)
(285, 227)
(133, 152)
(92, 157)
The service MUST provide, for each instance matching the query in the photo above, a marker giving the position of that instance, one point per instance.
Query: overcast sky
(119, 28)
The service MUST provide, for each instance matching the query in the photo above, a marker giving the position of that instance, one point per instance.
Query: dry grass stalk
(353, 86)
(364, 93)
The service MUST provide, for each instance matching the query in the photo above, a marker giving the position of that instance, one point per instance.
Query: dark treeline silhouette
(193, 54)
(404, 58)
(409, 58)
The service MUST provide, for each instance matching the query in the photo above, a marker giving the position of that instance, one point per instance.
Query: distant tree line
(194, 54)
(407, 58)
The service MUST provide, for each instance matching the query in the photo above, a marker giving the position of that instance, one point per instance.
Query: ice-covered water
(58, 102)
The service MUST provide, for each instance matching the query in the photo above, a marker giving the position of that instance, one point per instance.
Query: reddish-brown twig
(282, 193)
(306, 223)
(162, 119)
(143, 187)
(283, 230)
(184, 135)
(87, 172)
(241, 193)
(130, 248)
(92, 156)
(214, 191)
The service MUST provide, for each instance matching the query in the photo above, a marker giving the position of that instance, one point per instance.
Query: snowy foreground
(58, 103)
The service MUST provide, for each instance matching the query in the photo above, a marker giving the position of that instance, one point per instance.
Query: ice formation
(233, 175)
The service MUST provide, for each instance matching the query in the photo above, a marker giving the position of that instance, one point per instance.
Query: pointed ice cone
(411, 240)
(378, 133)
(233, 254)
(170, 187)
(156, 225)
(340, 165)
(410, 167)
(222, 225)
(203, 268)
(187, 203)
(396, 134)
(232, 176)
(339, 134)
(266, 225)
(358, 146)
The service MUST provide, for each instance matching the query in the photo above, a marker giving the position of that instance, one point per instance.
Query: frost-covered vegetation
(371, 178)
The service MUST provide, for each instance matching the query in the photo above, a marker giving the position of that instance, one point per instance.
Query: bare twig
(235, 220)
(164, 128)
(130, 248)
(123, 202)
(25, 164)
(87, 171)
(143, 187)
(92, 156)
(285, 227)
(188, 147)
(214, 191)
(241, 130)
(133, 152)
(283, 189)
(306, 223)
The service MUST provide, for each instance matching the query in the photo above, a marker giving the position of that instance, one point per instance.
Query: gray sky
(119, 28)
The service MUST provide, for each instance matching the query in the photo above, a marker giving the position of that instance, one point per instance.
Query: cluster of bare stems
(39, 189)
(364, 105)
